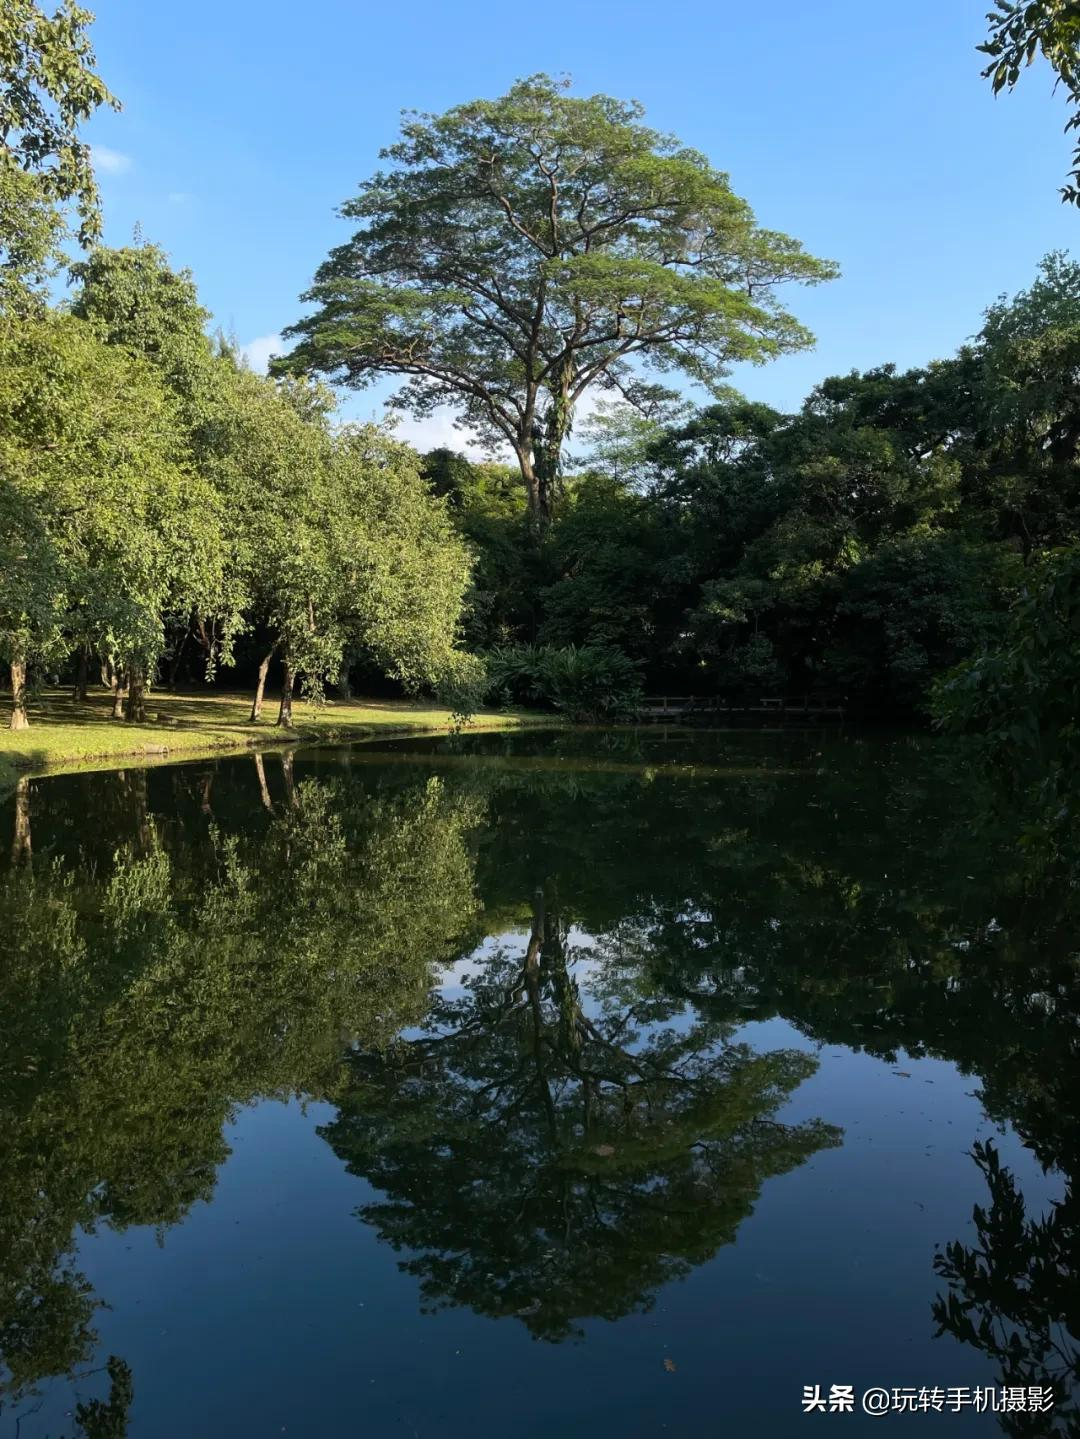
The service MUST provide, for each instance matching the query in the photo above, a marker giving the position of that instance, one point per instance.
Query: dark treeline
(864, 545)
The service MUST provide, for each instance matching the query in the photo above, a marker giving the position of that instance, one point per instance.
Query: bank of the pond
(66, 735)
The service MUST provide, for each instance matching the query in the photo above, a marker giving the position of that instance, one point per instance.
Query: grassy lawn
(66, 735)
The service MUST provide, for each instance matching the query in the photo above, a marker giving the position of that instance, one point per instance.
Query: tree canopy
(159, 496)
(522, 251)
(48, 86)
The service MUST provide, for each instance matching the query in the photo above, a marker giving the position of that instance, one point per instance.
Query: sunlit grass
(64, 734)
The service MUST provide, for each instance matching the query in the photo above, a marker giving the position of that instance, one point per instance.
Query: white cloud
(437, 431)
(433, 432)
(258, 352)
(178, 197)
(110, 162)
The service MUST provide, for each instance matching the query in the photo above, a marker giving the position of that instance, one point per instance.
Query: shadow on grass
(169, 711)
(204, 711)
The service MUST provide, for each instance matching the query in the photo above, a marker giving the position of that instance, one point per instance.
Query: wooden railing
(675, 707)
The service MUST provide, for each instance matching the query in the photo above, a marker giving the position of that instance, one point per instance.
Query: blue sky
(860, 126)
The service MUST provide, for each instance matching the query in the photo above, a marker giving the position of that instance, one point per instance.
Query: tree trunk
(134, 785)
(82, 678)
(287, 776)
(547, 451)
(19, 718)
(174, 665)
(528, 476)
(531, 975)
(539, 448)
(260, 688)
(546, 467)
(116, 684)
(264, 788)
(284, 718)
(136, 705)
(20, 849)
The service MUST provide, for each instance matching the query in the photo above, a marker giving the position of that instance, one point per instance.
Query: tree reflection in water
(582, 1119)
(543, 1161)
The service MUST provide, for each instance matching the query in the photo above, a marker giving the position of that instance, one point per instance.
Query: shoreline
(65, 736)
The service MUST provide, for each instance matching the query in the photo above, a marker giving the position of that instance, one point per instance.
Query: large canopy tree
(523, 250)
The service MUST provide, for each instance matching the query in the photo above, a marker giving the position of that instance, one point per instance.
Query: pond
(570, 1083)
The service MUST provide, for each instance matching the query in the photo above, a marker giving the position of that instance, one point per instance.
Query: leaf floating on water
(604, 1150)
(669, 1365)
(903, 1073)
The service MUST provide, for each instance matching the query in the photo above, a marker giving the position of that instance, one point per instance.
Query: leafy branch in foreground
(1020, 29)
(48, 86)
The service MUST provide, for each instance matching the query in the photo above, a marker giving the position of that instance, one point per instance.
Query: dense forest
(565, 278)
(865, 544)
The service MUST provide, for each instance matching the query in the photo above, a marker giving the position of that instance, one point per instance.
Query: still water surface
(567, 1084)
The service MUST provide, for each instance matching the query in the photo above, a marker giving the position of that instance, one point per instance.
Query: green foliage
(146, 995)
(522, 251)
(1012, 1292)
(860, 547)
(110, 527)
(620, 437)
(606, 571)
(912, 610)
(1021, 29)
(155, 493)
(48, 86)
(132, 298)
(1028, 350)
(628, 1151)
(1020, 699)
(108, 1419)
(404, 568)
(593, 683)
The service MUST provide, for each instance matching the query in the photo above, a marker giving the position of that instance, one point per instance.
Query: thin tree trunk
(20, 849)
(82, 678)
(19, 718)
(136, 705)
(134, 783)
(287, 775)
(260, 688)
(531, 970)
(116, 683)
(284, 718)
(264, 788)
(528, 476)
(174, 666)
